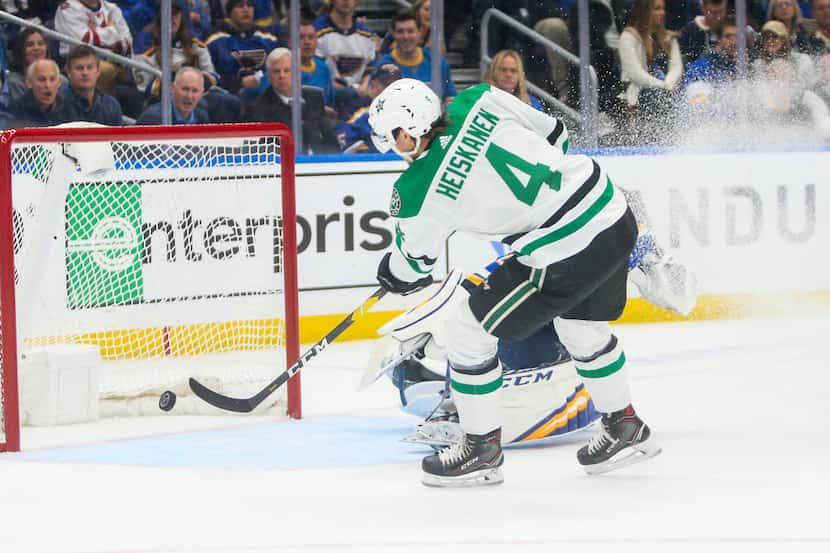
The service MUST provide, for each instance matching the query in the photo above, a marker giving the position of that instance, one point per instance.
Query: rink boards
(752, 226)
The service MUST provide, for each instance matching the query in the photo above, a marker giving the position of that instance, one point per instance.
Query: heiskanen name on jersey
(500, 172)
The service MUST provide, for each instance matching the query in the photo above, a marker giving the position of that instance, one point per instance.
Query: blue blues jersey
(421, 69)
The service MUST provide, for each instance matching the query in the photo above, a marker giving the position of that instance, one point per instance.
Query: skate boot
(623, 439)
(474, 461)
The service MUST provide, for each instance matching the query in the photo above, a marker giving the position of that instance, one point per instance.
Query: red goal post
(185, 162)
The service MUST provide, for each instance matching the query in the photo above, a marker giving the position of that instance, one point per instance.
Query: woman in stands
(651, 64)
(29, 47)
(776, 43)
(788, 12)
(507, 72)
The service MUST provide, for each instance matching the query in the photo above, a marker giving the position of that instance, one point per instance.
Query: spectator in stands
(720, 64)
(822, 88)
(274, 105)
(507, 72)
(789, 13)
(82, 95)
(41, 105)
(698, 37)
(186, 92)
(29, 46)
(239, 47)
(198, 13)
(346, 44)
(315, 71)
(423, 9)
(355, 134)
(783, 100)
(651, 63)
(413, 61)
(185, 50)
(706, 77)
(101, 23)
(776, 44)
(821, 13)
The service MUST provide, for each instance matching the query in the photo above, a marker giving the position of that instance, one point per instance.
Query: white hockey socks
(599, 361)
(476, 392)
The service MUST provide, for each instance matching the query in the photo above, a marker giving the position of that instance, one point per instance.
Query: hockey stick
(246, 405)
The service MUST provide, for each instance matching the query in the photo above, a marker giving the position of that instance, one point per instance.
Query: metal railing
(102, 53)
(588, 114)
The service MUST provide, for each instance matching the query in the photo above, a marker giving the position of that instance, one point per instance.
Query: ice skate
(623, 439)
(474, 461)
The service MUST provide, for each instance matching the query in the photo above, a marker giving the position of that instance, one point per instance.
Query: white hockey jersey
(500, 172)
(104, 27)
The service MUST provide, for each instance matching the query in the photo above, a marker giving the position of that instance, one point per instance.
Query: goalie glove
(395, 285)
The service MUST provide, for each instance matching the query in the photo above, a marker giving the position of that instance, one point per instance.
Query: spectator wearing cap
(775, 44)
(81, 93)
(41, 105)
(788, 12)
(100, 23)
(186, 92)
(347, 45)
(413, 61)
(274, 105)
(238, 48)
(355, 134)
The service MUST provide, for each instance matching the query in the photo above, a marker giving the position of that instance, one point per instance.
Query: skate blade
(628, 456)
(479, 478)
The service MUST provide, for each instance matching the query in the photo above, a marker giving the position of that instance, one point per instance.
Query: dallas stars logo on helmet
(395, 204)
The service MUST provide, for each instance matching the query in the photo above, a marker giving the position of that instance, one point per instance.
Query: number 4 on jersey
(538, 174)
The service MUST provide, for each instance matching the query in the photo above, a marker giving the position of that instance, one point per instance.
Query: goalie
(543, 399)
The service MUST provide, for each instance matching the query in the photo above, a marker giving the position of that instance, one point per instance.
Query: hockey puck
(167, 401)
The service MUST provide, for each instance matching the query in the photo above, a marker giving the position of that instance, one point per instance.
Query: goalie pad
(539, 405)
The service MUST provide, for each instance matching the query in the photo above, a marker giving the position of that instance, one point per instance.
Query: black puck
(167, 401)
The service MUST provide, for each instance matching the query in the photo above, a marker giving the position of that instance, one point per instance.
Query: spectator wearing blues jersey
(315, 71)
(347, 45)
(507, 72)
(239, 48)
(413, 61)
(100, 23)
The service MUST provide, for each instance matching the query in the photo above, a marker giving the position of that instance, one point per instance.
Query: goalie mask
(406, 104)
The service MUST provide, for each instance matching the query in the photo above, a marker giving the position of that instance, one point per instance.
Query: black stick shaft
(246, 405)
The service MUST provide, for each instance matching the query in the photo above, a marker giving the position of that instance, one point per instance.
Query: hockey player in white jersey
(494, 167)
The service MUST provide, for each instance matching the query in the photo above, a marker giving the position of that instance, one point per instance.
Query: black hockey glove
(394, 284)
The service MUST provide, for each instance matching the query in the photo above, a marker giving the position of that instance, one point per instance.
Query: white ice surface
(741, 409)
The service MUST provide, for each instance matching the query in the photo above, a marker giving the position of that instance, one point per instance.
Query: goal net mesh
(169, 264)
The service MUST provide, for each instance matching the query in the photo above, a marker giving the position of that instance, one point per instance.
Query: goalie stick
(246, 405)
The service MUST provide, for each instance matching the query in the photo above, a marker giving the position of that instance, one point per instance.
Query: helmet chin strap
(407, 155)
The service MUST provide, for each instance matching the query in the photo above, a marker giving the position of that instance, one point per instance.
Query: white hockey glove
(666, 283)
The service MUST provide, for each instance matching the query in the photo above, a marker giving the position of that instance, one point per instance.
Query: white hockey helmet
(407, 104)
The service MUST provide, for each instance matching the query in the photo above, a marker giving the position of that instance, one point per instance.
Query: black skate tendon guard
(246, 405)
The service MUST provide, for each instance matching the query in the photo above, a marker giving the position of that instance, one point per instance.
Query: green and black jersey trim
(414, 184)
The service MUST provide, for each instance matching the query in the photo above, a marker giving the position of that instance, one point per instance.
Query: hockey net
(173, 258)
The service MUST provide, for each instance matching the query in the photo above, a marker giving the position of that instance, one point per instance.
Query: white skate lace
(455, 452)
(599, 440)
